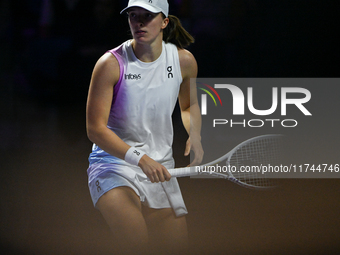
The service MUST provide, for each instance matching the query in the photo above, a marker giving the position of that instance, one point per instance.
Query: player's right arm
(104, 77)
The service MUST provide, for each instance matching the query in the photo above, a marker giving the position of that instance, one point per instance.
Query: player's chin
(140, 38)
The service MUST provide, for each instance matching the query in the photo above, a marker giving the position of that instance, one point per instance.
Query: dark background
(46, 57)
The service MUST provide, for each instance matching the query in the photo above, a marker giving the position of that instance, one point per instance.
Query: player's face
(146, 26)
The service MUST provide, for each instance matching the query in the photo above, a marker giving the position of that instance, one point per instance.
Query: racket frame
(198, 170)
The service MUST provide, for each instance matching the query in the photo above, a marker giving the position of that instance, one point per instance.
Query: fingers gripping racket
(243, 165)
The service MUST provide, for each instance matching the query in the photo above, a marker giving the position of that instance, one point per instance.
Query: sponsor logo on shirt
(131, 76)
(169, 69)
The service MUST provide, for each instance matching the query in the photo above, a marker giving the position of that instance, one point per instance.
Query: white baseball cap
(154, 6)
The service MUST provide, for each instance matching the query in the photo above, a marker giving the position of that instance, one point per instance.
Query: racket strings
(249, 161)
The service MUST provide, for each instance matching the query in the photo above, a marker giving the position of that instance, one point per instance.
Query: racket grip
(183, 172)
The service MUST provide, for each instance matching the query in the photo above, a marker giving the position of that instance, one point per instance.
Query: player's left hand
(194, 144)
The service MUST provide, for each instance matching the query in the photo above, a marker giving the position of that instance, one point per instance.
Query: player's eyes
(145, 16)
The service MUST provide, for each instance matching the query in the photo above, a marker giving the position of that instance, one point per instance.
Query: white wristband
(133, 156)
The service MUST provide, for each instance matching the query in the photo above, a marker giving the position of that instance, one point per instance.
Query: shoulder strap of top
(115, 52)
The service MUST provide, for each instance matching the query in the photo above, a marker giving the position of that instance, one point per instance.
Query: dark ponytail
(176, 34)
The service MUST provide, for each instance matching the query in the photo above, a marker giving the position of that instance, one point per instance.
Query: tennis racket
(243, 165)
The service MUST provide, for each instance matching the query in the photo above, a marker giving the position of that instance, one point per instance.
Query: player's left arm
(190, 112)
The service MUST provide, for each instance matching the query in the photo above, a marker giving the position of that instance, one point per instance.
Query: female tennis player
(132, 94)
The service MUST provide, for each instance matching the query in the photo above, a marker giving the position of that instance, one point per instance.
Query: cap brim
(144, 6)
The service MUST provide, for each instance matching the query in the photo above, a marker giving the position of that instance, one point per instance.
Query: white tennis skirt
(103, 177)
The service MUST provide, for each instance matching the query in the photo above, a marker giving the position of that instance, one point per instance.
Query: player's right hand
(154, 170)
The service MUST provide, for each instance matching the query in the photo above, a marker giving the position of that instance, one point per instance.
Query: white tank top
(143, 102)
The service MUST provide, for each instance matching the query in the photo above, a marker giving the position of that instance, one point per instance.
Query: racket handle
(184, 171)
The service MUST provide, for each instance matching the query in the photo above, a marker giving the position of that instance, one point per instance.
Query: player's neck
(147, 52)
